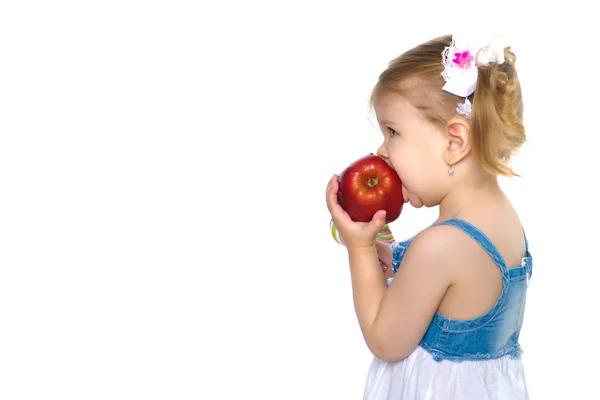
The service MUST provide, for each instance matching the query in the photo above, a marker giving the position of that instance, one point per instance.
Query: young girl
(447, 326)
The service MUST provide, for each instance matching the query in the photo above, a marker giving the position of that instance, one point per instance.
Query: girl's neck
(469, 195)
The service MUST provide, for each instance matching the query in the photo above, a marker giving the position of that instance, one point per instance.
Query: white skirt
(420, 377)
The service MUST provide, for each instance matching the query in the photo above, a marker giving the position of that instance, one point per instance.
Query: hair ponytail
(497, 129)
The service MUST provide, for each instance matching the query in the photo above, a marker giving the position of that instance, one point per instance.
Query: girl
(447, 325)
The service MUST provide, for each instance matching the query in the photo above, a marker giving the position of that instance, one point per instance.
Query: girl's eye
(392, 132)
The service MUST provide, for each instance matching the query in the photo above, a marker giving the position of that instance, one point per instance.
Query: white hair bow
(461, 59)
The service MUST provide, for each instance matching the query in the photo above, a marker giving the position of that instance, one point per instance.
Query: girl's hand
(355, 234)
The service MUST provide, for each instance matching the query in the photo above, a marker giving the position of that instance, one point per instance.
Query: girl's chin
(409, 199)
(416, 204)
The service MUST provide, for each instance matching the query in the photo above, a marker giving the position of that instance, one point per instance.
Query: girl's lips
(404, 194)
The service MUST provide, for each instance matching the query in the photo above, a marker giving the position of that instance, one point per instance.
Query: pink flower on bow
(463, 59)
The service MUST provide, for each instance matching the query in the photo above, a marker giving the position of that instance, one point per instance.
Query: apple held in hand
(368, 185)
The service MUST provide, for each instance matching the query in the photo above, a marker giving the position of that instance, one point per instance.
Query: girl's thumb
(379, 219)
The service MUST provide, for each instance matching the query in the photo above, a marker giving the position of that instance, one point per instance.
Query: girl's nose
(382, 152)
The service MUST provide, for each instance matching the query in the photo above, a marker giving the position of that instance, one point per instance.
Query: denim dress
(478, 358)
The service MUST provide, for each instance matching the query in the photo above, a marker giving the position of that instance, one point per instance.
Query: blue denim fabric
(491, 335)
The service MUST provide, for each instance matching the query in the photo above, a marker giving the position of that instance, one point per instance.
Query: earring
(450, 169)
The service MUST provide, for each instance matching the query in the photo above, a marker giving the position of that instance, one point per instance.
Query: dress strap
(480, 238)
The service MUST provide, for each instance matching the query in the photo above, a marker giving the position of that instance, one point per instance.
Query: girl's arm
(394, 320)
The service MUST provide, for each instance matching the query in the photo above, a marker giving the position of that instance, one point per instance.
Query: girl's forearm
(368, 288)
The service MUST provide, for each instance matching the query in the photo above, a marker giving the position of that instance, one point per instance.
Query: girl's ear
(457, 135)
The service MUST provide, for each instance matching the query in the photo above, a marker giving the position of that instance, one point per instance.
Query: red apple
(368, 185)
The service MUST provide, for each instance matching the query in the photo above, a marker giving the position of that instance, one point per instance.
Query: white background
(163, 166)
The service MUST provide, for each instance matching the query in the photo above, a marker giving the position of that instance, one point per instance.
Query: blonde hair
(497, 130)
